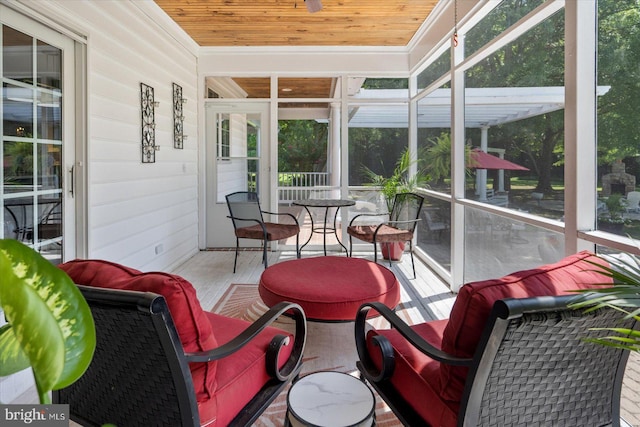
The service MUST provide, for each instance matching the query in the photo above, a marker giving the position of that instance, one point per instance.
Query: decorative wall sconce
(148, 104)
(178, 118)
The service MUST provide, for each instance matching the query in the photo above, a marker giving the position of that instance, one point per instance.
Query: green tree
(377, 149)
(302, 146)
(618, 67)
(534, 59)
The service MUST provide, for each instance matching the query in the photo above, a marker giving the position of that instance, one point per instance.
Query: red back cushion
(190, 321)
(475, 300)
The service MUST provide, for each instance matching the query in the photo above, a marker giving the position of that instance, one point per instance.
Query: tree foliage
(619, 67)
(302, 146)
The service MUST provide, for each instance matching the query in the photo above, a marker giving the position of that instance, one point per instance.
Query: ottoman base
(329, 289)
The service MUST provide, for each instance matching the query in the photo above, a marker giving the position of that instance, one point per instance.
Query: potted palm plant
(400, 181)
(50, 327)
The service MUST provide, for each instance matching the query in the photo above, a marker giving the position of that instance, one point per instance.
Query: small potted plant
(50, 327)
(613, 220)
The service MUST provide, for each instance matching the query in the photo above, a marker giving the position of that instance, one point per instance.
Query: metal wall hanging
(148, 105)
(178, 118)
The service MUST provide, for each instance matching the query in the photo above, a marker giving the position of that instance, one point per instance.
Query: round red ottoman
(329, 288)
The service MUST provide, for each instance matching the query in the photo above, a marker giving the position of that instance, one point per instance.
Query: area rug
(329, 347)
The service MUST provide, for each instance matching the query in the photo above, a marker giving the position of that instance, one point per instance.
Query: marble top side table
(330, 399)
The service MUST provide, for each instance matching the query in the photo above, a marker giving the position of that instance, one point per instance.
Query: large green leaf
(12, 358)
(49, 318)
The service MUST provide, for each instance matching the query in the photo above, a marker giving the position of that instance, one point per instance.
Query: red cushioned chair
(161, 360)
(402, 222)
(248, 223)
(510, 354)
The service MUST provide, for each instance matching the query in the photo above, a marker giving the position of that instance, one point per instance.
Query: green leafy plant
(399, 181)
(438, 152)
(623, 296)
(50, 327)
(616, 207)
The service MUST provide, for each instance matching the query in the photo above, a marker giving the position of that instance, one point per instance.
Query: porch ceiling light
(313, 5)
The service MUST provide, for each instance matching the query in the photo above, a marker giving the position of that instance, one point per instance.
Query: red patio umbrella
(481, 160)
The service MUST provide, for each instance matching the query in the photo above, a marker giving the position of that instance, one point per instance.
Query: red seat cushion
(417, 377)
(385, 233)
(190, 321)
(475, 300)
(329, 288)
(274, 231)
(240, 376)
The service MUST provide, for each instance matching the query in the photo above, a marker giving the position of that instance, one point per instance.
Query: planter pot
(392, 251)
(611, 227)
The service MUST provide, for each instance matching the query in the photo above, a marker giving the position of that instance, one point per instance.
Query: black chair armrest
(386, 349)
(367, 214)
(278, 341)
(283, 213)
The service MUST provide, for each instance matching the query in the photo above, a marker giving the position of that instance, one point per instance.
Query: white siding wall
(141, 215)
(133, 208)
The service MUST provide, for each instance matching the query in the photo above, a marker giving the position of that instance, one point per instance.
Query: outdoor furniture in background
(324, 229)
(162, 360)
(511, 353)
(399, 228)
(434, 227)
(248, 223)
(19, 218)
(633, 201)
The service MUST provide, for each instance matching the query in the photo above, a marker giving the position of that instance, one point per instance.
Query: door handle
(72, 181)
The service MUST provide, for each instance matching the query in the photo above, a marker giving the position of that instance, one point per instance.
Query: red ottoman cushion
(190, 321)
(329, 288)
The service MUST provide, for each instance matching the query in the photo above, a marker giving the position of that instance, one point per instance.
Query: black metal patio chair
(248, 223)
(399, 228)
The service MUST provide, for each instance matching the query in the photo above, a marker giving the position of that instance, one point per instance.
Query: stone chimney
(618, 181)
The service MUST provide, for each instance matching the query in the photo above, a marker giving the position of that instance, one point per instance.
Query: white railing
(303, 185)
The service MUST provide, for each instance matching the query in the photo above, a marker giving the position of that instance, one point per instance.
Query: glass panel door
(235, 162)
(33, 136)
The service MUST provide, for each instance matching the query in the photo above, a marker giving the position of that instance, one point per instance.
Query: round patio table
(324, 229)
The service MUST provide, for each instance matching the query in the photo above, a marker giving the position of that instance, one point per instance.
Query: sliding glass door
(37, 145)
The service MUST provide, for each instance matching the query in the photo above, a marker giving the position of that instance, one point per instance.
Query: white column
(333, 150)
(481, 174)
(501, 174)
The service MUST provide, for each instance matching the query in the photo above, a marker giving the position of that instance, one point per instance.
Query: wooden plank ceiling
(288, 23)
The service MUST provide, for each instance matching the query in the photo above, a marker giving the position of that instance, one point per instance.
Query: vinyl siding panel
(136, 209)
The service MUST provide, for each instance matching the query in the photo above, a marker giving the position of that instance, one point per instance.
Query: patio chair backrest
(533, 364)
(138, 375)
(246, 205)
(406, 207)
